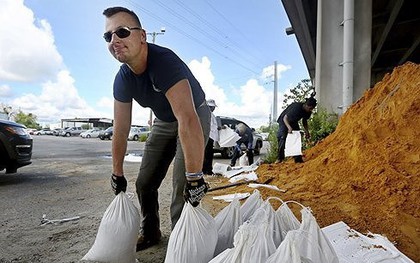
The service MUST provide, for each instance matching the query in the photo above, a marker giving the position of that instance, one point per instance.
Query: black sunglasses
(121, 32)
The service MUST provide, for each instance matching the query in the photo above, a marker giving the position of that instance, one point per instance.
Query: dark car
(227, 152)
(15, 146)
(106, 134)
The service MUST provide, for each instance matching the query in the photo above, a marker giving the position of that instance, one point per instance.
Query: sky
(55, 64)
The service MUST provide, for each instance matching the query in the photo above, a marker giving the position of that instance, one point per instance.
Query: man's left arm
(192, 140)
(189, 127)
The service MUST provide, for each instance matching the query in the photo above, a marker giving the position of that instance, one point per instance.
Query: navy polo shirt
(164, 69)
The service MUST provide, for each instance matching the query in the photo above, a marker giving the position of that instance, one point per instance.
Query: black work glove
(194, 191)
(118, 184)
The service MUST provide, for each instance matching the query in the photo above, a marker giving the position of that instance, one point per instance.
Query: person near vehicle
(289, 121)
(247, 139)
(213, 136)
(156, 77)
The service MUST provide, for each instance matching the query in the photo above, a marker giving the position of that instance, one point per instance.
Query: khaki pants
(162, 147)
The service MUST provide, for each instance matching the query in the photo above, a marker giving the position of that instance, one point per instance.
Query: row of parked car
(104, 134)
(16, 141)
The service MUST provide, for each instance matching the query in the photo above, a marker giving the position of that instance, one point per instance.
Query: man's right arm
(286, 121)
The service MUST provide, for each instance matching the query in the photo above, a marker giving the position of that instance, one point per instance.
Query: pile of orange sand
(367, 173)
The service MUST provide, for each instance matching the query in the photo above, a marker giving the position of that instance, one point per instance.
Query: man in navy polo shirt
(156, 77)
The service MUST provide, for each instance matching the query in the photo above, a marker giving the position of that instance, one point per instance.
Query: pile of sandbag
(251, 232)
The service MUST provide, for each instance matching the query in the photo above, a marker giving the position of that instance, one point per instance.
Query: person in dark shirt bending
(289, 121)
(156, 77)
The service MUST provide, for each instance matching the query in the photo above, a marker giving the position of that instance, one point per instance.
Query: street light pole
(154, 34)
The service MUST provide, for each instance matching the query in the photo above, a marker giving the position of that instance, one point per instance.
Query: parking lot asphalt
(68, 177)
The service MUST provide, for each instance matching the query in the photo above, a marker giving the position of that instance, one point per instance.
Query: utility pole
(154, 34)
(275, 93)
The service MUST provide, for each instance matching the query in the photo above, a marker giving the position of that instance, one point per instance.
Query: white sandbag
(117, 234)
(224, 257)
(288, 220)
(293, 145)
(308, 243)
(263, 245)
(251, 205)
(243, 240)
(288, 251)
(243, 160)
(227, 223)
(275, 222)
(193, 238)
(221, 169)
(228, 137)
(312, 242)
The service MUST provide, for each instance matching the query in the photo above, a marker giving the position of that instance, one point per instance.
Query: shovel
(238, 183)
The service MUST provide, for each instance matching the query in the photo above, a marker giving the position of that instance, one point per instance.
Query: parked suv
(15, 146)
(106, 134)
(227, 152)
(72, 131)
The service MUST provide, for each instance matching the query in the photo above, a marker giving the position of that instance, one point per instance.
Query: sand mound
(367, 173)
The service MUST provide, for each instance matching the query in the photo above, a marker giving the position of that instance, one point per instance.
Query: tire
(68, 134)
(227, 152)
(88, 136)
(135, 138)
(11, 169)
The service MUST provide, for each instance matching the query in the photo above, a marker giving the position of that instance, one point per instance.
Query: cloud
(202, 71)
(251, 103)
(59, 99)
(27, 45)
(268, 72)
(5, 91)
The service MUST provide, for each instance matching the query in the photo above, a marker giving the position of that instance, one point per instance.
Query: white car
(137, 132)
(92, 133)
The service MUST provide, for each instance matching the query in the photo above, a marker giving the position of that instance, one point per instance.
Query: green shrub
(143, 137)
(271, 155)
(321, 124)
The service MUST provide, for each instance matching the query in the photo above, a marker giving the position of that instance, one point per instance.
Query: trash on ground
(133, 158)
(230, 197)
(352, 246)
(46, 221)
(244, 176)
(273, 187)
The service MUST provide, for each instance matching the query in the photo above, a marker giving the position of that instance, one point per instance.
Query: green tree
(29, 120)
(303, 90)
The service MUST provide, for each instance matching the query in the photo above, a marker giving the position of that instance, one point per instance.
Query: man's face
(124, 49)
(308, 108)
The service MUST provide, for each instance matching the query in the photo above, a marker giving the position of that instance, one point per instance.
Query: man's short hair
(117, 9)
(241, 128)
(311, 102)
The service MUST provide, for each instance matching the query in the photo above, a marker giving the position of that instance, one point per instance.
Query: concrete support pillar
(331, 56)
